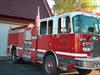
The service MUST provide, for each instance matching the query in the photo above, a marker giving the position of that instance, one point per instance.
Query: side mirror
(91, 29)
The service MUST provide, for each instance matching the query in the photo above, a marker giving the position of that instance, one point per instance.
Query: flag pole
(37, 20)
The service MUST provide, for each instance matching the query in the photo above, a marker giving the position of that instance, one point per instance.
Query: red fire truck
(63, 42)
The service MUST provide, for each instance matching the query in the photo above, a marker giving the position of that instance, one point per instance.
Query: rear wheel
(14, 56)
(50, 66)
(83, 71)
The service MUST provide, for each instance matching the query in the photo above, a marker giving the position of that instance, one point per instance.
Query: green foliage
(63, 6)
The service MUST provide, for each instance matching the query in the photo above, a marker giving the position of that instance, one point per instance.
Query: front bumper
(87, 63)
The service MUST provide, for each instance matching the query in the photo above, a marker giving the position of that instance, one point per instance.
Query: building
(15, 13)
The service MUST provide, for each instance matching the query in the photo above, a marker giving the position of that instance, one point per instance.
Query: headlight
(87, 46)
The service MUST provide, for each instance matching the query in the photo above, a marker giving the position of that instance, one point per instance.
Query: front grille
(96, 48)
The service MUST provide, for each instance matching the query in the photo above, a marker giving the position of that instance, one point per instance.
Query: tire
(50, 66)
(14, 56)
(20, 60)
(83, 71)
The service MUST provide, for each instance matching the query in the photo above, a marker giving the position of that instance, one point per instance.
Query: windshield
(86, 24)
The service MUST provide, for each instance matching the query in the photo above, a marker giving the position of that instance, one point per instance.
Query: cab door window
(43, 27)
(50, 26)
(64, 25)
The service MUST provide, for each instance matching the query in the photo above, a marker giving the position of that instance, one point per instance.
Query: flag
(37, 18)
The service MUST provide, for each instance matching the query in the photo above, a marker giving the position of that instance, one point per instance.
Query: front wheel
(50, 66)
(83, 71)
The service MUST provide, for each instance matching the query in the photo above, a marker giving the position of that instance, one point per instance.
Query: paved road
(8, 68)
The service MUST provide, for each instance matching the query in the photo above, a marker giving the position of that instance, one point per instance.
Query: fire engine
(66, 41)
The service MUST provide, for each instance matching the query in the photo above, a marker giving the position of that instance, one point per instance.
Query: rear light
(87, 46)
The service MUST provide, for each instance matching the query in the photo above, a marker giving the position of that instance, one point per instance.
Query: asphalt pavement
(8, 68)
(28, 68)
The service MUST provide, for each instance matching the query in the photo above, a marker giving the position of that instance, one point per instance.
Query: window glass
(28, 35)
(64, 25)
(85, 24)
(43, 27)
(99, 24)
(50, 26)
(59, 25)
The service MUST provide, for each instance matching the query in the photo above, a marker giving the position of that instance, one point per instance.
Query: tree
(63, 6)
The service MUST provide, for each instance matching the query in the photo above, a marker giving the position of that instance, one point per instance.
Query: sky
(51, 3)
